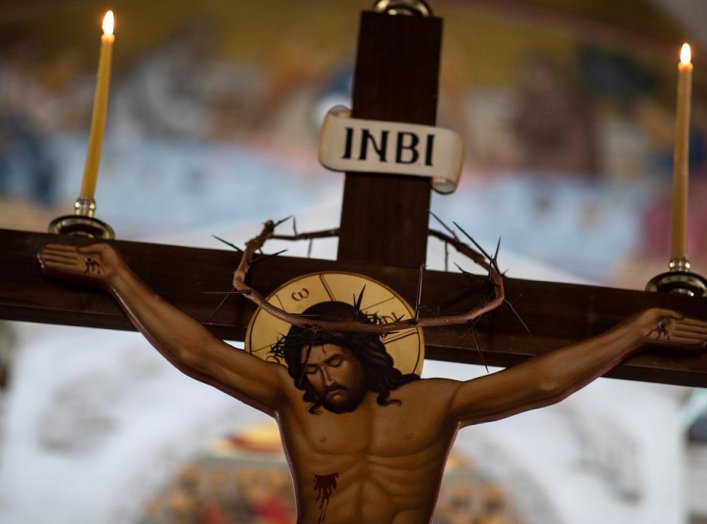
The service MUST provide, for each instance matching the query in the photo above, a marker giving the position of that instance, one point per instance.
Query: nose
(328, 381)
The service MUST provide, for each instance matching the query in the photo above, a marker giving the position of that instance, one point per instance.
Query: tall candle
(681, 154)
(100, 106)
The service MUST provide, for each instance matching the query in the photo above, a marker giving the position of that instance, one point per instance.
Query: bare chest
(382, 458)
(396, 429)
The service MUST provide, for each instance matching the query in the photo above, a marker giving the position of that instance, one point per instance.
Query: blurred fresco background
(566, 107)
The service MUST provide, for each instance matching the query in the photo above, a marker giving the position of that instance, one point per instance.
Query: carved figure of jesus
(365, 443)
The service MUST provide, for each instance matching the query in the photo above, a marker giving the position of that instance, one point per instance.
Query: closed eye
(335, 361)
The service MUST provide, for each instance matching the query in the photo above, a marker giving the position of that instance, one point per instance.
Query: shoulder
(432, 384)
(429, 390)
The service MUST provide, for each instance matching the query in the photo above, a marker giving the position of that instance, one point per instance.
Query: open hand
(665, 327)
(95, 264)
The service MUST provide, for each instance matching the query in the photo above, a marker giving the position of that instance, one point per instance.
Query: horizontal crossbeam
(191, 278)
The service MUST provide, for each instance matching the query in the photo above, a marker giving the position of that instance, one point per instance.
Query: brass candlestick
(82, 222)
(679, 279)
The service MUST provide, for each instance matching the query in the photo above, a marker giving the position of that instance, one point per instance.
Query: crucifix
(383, 235)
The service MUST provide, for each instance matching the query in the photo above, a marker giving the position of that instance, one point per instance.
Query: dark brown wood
(557, 314)
(384, 217)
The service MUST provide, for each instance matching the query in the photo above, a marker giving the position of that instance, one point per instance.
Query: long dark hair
(380, 374)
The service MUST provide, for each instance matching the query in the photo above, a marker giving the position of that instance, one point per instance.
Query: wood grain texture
(384, 217)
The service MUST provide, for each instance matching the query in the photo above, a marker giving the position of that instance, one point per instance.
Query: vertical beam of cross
(384, 217)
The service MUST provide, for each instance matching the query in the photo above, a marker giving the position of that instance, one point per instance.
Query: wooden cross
(383, 234)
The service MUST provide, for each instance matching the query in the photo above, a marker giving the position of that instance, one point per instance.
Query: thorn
(472, 329)
(445, 226)
(427, 309)
(495, 255)
(418, 300)
(467, 235)
(513, 309)
(294, 226)
(468, 330)
(472, 278)
(478, 347)
(300, 379)
(466, 273)
(228, 243)
(358, 301)
(265, 257)
(219, 306)
(282, 221)
(309, 248)
(446, 257)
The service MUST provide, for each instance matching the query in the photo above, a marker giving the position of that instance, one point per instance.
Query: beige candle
(681, 154)
(100, 107)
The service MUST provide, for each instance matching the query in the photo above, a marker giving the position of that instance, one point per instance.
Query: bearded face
(335, 375)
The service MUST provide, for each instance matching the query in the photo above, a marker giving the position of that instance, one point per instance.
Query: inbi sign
(406, 148)
(371, 146)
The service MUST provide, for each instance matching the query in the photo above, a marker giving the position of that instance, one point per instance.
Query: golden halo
(406, 347)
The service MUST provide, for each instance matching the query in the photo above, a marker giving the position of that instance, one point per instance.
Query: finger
(61, 270)
(67, 248)
(684, 340)
(61, 260)
(60, 255)
(93, 248)
(689, 329)
(692, 322)
(669, 313)
(58, 260)
(689, 334)
(62, 266)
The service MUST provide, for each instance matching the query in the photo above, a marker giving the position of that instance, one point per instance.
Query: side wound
(324, 485)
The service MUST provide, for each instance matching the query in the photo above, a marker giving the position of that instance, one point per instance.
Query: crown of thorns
(450, 238)
(307, 338)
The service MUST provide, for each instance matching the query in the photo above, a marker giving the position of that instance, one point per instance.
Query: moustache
(333, 388)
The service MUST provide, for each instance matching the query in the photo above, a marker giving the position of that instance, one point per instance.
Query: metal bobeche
(679, 280)
(82, 222)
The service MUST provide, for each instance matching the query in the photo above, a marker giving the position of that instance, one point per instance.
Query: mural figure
(366, 443)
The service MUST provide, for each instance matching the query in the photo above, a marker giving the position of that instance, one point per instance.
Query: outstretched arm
(553, 376)
(178, 337)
